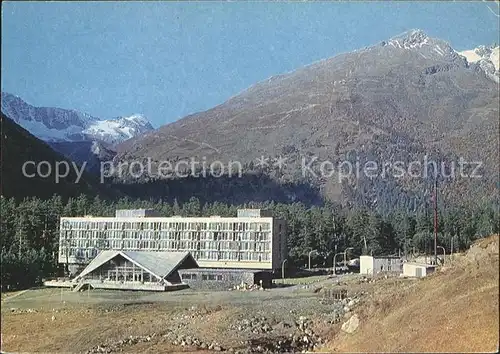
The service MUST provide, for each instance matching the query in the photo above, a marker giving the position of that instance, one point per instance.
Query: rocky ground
(291, 319)
(343, 313)
(273, 329)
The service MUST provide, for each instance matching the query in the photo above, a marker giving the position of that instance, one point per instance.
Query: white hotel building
(253, 240)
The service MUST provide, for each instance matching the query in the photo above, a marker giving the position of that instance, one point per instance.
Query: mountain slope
(86, 153)
(398, 100)
(17, 147)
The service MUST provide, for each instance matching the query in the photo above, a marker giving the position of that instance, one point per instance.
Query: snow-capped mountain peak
(427, 47)
(415, 38)
(64, 125)
(139, 118)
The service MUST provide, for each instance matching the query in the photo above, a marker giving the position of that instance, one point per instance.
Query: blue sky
(170, 59)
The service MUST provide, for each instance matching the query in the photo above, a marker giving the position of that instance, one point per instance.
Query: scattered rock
(247, 287)
(351, 325)
(254, 325)
(17, 310)
(317, 290)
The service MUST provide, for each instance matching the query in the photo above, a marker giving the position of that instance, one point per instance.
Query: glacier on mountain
(64, 125)
(487, 57)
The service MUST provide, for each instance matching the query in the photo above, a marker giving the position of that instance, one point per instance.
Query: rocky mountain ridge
(399, 100)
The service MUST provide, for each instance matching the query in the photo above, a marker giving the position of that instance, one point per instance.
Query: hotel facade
(252, 240)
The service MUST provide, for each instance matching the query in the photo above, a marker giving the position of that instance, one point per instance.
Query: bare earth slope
(455, 310)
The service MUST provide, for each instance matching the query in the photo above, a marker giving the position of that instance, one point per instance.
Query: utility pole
(67, 241)
(44, 232)
(283, 269)
(334, 232)
(310, 258)
(444, 254)
(345, 256)
(20, 232)
(435, 222)
(335, 263)
(20, 243)
(333, 223)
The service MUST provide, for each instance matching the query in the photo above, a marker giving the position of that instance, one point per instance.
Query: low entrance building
(158, 271)
(136, 270)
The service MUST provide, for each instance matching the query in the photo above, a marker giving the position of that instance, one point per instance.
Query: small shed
(418, 270)
(372, 265)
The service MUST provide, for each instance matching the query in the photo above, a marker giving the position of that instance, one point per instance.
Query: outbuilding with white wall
(411, 269)
(372, 265)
